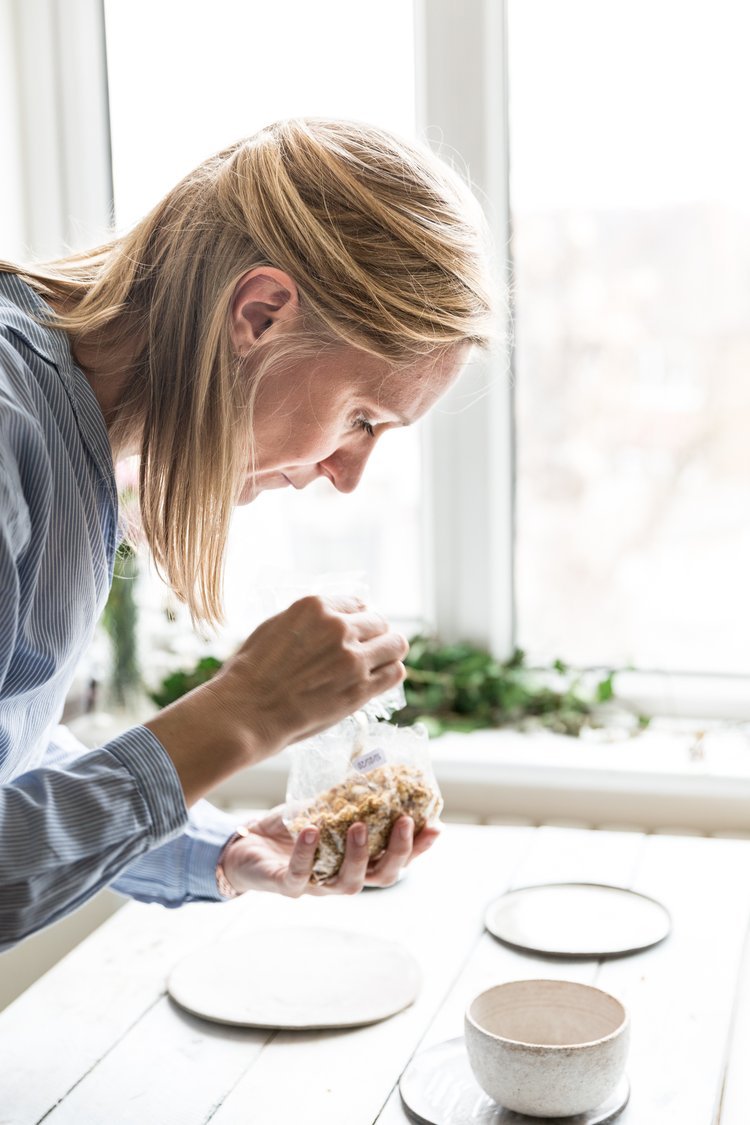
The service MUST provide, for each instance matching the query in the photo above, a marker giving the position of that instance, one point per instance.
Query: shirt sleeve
(69, 828)
(68, 832)
(181, 870)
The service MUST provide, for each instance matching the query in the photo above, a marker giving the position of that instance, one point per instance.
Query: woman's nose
(345, 467)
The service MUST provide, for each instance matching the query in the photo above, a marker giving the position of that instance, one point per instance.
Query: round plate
(299, 978)
(438, 1088)
(577, 920)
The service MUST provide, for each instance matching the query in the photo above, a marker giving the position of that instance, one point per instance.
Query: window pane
(630, 189)
(188, 78)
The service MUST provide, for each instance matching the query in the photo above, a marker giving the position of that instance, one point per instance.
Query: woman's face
(323, 418)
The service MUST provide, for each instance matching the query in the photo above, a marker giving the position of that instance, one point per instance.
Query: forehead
(411, 389)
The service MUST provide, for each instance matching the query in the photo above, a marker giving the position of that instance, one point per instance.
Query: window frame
(62, 140)
(64, 185)
(463, 105)
(469, 462)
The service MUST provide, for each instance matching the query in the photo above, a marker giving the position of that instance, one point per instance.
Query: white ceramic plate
(438, 1088)
(299, 977)
(577, 920)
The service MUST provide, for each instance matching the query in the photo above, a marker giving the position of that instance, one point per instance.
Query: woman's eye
(368, 427)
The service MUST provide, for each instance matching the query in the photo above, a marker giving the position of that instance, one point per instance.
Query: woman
(290, 301)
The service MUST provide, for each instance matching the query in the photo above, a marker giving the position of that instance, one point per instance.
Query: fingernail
(308, 836)
(360, 835)
(405, 830)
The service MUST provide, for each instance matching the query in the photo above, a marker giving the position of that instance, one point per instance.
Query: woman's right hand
(297, 674)
(307, 668)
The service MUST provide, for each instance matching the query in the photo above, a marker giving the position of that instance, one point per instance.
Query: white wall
(12, 216)
(21, 966)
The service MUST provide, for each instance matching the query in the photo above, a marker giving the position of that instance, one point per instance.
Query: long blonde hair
(386, 245)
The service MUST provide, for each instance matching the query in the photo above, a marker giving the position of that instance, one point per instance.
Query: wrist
(202, 741)
(226, 880)
(243, 717)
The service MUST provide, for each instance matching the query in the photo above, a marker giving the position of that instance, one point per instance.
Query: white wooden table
(97, 1040)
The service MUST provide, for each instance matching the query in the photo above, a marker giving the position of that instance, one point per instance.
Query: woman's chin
(256, 483)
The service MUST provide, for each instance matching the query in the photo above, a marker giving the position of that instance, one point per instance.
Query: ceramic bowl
(548, 1048)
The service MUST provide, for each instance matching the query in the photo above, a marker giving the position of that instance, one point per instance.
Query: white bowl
(548, 1048)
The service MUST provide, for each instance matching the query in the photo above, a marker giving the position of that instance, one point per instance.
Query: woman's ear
(262, 297)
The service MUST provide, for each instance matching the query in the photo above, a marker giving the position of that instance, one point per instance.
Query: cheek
(311, 443)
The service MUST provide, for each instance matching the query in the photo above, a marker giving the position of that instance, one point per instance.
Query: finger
(367, 625)
(301, 860)
(396, 854)
(344, 603)
(385, 677)
(388, 648)
(351, 876)
(423, 841)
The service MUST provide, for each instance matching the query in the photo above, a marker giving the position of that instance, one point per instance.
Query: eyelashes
(365, 425)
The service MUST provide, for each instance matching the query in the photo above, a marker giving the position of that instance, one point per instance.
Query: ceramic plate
(438, 1088)
(577, 920)
(298, 977)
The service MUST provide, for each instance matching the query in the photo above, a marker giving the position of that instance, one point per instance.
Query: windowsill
(653, 781)
(665, 777)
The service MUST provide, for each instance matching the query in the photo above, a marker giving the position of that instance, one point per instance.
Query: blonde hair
(386, 245)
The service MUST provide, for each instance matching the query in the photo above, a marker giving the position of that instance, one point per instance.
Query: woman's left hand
(269, 859)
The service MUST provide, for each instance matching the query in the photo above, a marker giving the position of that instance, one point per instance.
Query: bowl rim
(621, 1027)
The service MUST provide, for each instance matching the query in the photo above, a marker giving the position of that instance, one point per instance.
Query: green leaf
(180, 682)
(605, 689)
(461, 686)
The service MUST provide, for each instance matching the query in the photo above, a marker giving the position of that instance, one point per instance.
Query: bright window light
(187, 78)
(630, 190)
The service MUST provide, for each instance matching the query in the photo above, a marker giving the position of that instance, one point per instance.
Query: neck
(108, 369)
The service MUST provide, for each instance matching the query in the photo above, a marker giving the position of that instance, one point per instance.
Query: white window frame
(463, 107)
(62, 159)
(63, 201)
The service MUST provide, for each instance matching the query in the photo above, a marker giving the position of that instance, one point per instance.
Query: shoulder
(28, 361)
(19, 423)
(25, 472)
(22, 316)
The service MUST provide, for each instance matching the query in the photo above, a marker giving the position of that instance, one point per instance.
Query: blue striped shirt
(72, 820)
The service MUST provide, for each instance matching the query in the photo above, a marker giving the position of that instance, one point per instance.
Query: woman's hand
(305, 669)
(269, 859)
(298, 673)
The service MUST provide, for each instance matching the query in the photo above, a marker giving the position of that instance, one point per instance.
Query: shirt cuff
(201, 870)
(140, 751)
(209, 830)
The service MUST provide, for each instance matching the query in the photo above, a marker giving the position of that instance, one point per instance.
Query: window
(180, 89)
(630, 199)
(610, 135)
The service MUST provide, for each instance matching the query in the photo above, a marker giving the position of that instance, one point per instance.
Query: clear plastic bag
(361, 770)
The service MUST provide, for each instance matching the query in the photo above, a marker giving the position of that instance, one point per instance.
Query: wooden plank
(172, 1069)
(681, 993)
(90, 999)
(581, 855)
(345, 1077)
(206, 1060)
(557, 855)
(735, 1105)
(131, 1056)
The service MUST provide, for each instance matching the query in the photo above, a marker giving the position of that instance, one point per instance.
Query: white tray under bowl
(439, 1088)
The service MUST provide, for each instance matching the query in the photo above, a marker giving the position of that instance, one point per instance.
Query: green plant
(119, 620)
(462, 687)
(182, 681)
